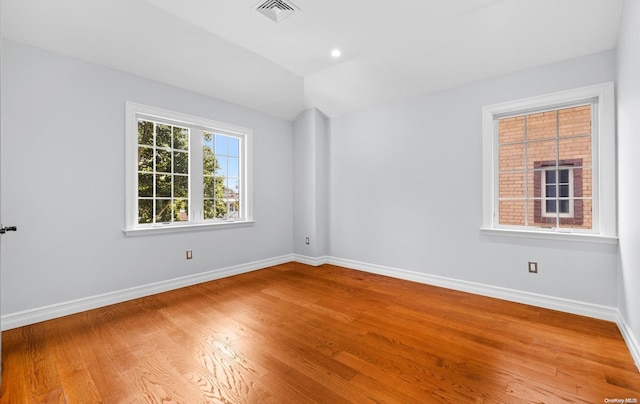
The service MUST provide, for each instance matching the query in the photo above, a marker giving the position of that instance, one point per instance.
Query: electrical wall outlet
(533, 267)
(189, 254)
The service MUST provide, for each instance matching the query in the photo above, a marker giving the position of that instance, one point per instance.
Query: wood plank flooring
(300, 334)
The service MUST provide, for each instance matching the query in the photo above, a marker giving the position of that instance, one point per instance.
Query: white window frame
(604, 229)
(543, 190)
(197, 127)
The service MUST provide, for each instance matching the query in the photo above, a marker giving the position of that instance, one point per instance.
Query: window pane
(180, 138)
(541, 126)
(207, 141)
(564, 176)
(209, 209)
(564, 191)
(145, 133)
(181, 210)
(541, 152)
(539, 216)
(234, 208)
(550, 191)
(565, 206)
(532, 213)
(577, 150)
(180, 162)
(163, 185)
(163, 210)
(221, 145)
(233, 185)
(582, 215)
(145, 159)
(163, 135)
(234, 167)
(511, 185)
(223, 165)
(157, 160)
(145, 211)
(209, 162)
(234, 147)
(221, 185)
(582, 180)
(511, 130)
(550, 206)
(180, 186)
(145, 185)
(574, 121)
(512, 213)
(210, 186)
(163, 161)
(550, 176)
(511, 157)
(221, 209)
(534, 184)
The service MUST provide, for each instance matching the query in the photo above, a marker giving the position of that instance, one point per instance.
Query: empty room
(301, 201)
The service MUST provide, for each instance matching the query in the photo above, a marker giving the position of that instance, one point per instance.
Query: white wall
(311, 217)
(304, 183)
(629, 167)
(63, 173)
(406, 191)
(322, 177)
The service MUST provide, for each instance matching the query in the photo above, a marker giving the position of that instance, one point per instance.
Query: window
(560, 197)
(557, 193)
(221, 164)
(185, 172)
(549, 164)
(163, 172)
(539, 155)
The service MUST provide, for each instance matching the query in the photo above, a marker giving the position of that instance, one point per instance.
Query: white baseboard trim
(533, 299)
(629, 338)
(314, 262)
(19, 319)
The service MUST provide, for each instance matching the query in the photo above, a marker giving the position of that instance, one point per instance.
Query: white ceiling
(390, 50)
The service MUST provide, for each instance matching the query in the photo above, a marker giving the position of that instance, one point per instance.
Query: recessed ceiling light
(336, 53)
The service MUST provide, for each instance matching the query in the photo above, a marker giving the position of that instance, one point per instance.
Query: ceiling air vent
(277, 10)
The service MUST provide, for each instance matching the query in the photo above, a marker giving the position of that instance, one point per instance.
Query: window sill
(549, 235)
(148, 231)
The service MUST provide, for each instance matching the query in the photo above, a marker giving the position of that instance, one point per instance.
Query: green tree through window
(163, 173)
(221, 176)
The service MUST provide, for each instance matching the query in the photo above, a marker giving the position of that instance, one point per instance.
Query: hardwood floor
(299, 334)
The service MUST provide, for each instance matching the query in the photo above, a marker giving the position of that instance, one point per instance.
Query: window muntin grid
(527, 144)
(222, 176)
(163, 172)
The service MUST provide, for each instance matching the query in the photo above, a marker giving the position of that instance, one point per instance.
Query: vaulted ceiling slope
(390, 50)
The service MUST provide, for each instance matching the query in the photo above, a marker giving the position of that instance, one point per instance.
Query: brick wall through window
(530, 144)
